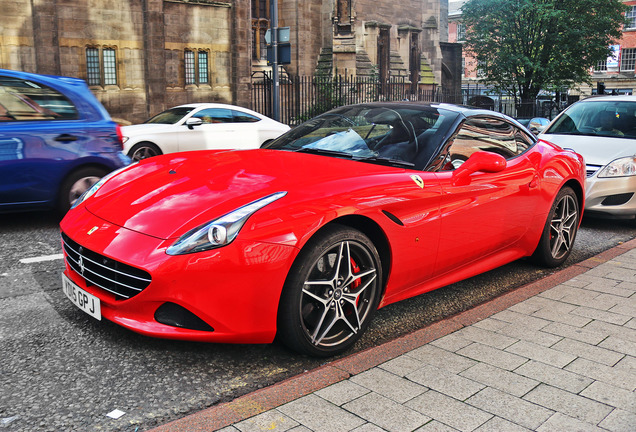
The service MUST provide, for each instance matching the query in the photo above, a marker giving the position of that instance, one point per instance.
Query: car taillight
(120, 137)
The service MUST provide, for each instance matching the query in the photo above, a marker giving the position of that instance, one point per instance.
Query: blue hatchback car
(56, 141)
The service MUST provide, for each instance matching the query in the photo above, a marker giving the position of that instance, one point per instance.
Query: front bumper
(611, 197)
(233, 290)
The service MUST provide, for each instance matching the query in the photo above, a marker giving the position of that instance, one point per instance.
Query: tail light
(120, 137)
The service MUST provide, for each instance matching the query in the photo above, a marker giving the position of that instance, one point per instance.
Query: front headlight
(124, 139)
(622, 167)
(99, 184)
(221, 231)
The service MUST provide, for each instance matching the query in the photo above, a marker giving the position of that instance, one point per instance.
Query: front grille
(121, 279)
(590, 170)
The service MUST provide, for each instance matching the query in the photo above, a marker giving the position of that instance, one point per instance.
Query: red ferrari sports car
(306, 238)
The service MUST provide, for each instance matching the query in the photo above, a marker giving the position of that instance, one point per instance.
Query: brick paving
(555, 355)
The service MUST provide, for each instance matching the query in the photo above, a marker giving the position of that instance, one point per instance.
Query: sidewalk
(555, 355)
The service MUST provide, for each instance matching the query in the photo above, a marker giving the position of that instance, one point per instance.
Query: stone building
(140, 57)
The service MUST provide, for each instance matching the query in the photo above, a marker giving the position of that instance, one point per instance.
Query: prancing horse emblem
(418, 180)
(92, 230)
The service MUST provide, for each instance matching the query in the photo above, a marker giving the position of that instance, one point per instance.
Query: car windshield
(171, 116)
(407, 136)
(597, 118)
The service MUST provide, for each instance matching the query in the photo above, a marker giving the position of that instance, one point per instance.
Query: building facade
(617, 73)
(141, 57)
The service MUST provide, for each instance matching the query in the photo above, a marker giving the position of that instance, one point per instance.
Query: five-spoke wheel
(331, 293)
(560, 230)
(144, 150)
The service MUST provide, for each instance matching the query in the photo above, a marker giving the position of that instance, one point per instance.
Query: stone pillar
(241, 57)
(45, 36)
(154, 56)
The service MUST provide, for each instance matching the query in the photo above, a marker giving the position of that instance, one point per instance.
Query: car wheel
(76, 184)
(143, 150)
(559, 231)
(331, 293)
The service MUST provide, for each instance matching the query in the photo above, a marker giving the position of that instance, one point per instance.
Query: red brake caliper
(357, 282)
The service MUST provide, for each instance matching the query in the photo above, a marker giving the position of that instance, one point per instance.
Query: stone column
(154, 56)
(241, 57)
(46, 37)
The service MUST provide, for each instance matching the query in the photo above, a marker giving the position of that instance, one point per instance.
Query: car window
(171, 116)
(597, 118)
(215, 115)
(394, 135)
(25, 100)
(486, 134)
(241, 117)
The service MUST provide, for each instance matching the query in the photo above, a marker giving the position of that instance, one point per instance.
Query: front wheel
(331, 293)
(143, 150)
(560, 230)
(75, 185)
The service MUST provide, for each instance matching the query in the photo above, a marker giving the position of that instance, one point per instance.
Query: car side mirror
(193, 121)
(479, 161)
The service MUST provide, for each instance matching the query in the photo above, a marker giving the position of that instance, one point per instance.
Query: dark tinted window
(241, 117)
(171, 116)
(24, 100)
(394, 134)
(215, 115)
(487, 134)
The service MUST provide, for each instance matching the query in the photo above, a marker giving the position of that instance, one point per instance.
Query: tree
(525, 46)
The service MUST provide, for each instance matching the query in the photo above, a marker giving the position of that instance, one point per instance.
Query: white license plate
(80, 298)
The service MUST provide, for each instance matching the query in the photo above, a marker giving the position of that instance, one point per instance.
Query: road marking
(42, 258)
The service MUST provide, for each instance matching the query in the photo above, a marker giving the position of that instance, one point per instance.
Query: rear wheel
(144, 150)
(560, 230)
(76, 184)
(331, 293)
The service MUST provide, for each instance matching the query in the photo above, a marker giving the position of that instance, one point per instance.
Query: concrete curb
(257, 402)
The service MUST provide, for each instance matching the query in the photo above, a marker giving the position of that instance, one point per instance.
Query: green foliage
(525, 46)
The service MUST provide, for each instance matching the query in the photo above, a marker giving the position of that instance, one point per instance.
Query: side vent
(393, 217)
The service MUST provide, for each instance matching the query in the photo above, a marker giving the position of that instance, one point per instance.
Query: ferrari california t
(307, 237)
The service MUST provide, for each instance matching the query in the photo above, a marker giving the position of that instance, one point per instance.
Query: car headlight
(622, 167)
(221, 231)
(124, 139)
(99, 184)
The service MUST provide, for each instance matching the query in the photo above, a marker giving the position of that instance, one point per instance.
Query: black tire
(143, 150)
(75, 184)
(560, 230)
(326, 307)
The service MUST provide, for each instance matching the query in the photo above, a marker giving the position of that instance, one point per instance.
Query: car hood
(595, 150)
(165, 196)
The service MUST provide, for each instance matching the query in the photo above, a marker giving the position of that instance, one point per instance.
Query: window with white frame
(601, 66)
(631, 18)
(101, 66)
(461, 32)
(628, 59)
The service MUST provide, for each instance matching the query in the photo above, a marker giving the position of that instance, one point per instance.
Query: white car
(603, 130)
(200, 126)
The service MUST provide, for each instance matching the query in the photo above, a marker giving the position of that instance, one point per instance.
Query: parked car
(56, 141)
(603, 130)
(535, 124)
(305, 238)
(202, 126)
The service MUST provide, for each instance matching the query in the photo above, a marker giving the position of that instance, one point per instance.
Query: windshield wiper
(386, 161)
(324, 152)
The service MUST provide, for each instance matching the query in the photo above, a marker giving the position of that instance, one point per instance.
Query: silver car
(603, 130)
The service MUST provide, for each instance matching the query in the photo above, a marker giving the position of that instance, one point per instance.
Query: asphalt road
(62, 370)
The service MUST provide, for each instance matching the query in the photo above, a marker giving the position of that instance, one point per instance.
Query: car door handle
(65, 138)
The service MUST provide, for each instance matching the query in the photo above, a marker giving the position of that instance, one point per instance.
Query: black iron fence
(304, 97)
